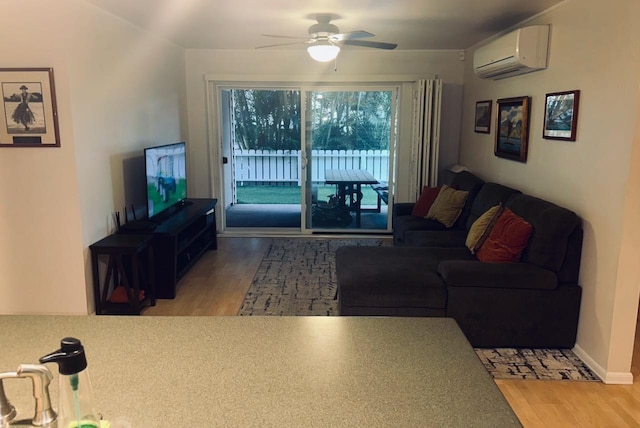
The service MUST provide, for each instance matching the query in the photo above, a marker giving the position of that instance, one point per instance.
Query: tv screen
(166, 177)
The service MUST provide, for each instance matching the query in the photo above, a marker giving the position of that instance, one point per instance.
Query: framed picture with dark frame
(512, 128)
(561, 115)
(29, 116)
(483, 117)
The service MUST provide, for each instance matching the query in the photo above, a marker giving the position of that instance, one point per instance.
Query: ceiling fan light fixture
(323, 52)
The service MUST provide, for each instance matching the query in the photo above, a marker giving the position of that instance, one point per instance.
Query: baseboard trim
(610, 378)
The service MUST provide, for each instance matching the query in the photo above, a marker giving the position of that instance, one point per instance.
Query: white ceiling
(239, 24)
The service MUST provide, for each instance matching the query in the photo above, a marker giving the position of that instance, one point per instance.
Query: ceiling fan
(324, 40)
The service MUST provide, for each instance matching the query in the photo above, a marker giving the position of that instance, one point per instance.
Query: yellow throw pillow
(448, 205)
(481, 228)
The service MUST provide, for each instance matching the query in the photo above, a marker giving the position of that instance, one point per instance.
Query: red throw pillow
(508, 238)
(428, 195)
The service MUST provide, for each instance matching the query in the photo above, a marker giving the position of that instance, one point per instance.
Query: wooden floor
(216, 285)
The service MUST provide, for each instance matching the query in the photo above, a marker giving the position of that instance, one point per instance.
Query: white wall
(593, 48)
(353, 65)
(118, 91)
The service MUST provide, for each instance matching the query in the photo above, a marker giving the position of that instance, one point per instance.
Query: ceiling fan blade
(350, 35)
(284, 37)
(279, 44)
(368, 44)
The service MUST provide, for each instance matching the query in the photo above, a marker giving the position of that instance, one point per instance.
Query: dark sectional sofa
(430, 272)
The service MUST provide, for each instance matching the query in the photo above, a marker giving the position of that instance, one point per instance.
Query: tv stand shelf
(179, 238)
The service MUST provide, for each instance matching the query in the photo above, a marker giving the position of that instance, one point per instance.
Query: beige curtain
(426, 132)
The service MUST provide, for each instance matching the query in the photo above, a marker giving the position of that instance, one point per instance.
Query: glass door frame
(215, 86)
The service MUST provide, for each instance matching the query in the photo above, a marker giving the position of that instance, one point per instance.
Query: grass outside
(155, 198)
(269, 194)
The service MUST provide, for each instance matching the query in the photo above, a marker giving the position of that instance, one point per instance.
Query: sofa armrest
(403, 208)
(463, 273)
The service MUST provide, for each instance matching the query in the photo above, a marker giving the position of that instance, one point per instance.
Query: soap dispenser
(75, 409)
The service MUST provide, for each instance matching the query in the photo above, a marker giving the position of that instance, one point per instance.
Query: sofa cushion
(552, 226)
(405, 223)
(393, 276)
(424, 202)
(490, 195)
(507, 239)
(481, 228)
(448, 205)
(368, 276)
(461, 273)
(435, 238)
(401, 209)
(469, 183)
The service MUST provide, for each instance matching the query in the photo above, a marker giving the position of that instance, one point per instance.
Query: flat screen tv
(166, 172)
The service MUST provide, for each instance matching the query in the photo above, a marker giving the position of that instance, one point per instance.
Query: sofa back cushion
(490, 195)
(552, 227)
(469, 183)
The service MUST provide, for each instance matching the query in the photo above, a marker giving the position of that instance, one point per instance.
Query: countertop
(155, 372)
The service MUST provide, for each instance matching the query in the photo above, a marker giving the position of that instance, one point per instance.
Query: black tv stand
(180, 240)
(138, 226)
(180, 237)
(169, 212)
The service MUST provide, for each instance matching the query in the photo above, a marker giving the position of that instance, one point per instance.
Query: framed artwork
(29, 116)
(561, 115)
(512, 128)
(483, 117)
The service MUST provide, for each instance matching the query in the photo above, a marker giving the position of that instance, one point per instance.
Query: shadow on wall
(450, 128)
(133, 184)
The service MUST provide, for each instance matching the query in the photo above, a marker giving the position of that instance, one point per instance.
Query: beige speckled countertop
(156, 372)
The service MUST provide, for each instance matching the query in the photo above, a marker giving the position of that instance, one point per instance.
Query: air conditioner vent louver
(521, 51)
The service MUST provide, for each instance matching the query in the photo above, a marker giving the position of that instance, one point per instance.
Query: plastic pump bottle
(75, 409)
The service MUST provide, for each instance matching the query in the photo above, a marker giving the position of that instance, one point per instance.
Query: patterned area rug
(542, 364)
(297, 277)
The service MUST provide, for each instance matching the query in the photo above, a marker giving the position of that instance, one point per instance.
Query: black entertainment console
(180, 240)
(179, 237)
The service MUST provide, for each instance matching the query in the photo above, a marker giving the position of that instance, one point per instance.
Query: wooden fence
(283, 166)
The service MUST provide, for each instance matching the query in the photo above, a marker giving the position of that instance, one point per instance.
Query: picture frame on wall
(29, 116)
(512, 128)
(561, 115)
(483, 117)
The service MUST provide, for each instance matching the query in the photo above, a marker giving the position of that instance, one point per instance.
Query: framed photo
(561, 115)
(512, 128)
(29, 117)
(483, 117)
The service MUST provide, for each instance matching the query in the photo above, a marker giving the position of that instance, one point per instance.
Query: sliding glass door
(262, 149)
(324, 164)
(349, 146)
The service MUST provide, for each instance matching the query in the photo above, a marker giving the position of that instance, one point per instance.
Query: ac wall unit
(521, 51)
